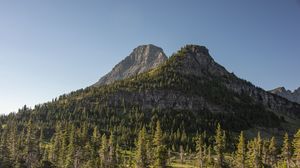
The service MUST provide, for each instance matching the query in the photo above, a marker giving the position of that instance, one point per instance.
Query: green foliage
(254, 155)
(104, 150)
(240, 155)
(160, 151)
(219, 146)
(200, 148)
(272, 152)
(286, 150)
(296, 146)
(142, 161)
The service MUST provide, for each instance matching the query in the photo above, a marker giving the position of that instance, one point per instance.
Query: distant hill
(291, 96)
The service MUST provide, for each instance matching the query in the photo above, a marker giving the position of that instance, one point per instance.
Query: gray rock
(291, 96)
(142, 59)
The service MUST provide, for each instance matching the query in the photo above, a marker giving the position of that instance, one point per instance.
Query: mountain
(189, 89)
(142, 58)
(179, 101)
(291, 96)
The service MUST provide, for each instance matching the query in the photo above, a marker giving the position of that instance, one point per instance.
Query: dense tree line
(77, 145)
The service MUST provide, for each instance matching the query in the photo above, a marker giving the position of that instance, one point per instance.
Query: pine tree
(104, 151)
(112, 150)
(55, 144)
(12, 141)
(95, 145)
(265, 155)
(4, 151)
(63, 148)
(160, 159)
(87, 155)
(141, 151)
(200, 150)
(272, 151)
(209, 160)
(296, 146)
(70, 149)
(286, 150)
(254, 152)
(241, 151)
(219, 146)
(31, 146)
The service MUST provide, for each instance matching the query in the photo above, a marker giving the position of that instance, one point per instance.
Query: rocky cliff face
(143, 58)
(197, 61)
(292, 96)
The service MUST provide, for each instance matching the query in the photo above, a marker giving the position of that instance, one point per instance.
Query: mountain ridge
(203, 65)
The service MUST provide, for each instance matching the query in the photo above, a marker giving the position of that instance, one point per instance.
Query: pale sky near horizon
(51, 47)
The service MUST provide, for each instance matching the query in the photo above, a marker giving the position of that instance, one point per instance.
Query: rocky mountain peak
(197, 61)
(297, 91)
(142, 58)
(148, 54)
(292, 96)
(280, 89)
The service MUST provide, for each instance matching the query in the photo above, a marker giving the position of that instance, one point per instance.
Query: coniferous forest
(148, 121)
(72, 144)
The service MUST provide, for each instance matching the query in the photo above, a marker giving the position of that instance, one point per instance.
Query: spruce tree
(286, 150)
(296, 146)
(141, 160)
(200, 150)
(272, 151)
(12, 141)
(55, 144)
(31, 146)
(240, 155)
(104, 151)
(160, 152)
(112, 150)
(63, 148)
(219, 146)
(209, 160)
(71, 148)
(95, 141)
(265, 155)
(4, 151)
(254, 152)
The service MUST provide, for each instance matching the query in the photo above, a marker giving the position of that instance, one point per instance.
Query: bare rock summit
(142, 59)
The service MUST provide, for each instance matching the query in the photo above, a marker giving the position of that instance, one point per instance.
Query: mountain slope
(291, 96)
(141, 59)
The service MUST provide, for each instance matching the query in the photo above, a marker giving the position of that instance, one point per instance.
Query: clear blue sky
(51, 47)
